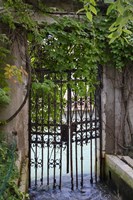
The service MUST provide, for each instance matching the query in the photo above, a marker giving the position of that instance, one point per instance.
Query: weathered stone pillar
(17, 129)
(108, 109)
(117, 110)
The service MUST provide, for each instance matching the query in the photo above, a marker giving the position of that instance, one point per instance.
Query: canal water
(90, 191)
(44, 190)
(97, 191)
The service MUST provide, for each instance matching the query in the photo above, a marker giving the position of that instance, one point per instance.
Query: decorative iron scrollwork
(61, 127)
(64, 133)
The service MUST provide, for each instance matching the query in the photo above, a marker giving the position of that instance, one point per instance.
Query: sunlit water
(89, 192)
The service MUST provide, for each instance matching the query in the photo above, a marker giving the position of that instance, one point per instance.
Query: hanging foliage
(68, 43)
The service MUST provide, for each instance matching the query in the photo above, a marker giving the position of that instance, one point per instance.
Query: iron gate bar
(48, 145)
(42, 129)
(29, 138)
(95, 143)
(82, 121)
(86, 111)
(73, 140)
(81, 146)
(51, 124)
(36, 161)
(70, 122)
(91, 179)
(54, 166)
(76, 142)
(61, 100)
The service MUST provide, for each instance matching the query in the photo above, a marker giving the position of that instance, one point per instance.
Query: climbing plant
(13, 15)
(122, 10)
(70, 44)
(66, 45)
(80, 45)
(73, 44)
(8, 172)
(4, 52)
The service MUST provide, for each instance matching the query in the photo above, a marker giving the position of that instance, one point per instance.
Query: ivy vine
(9, 172)
(66, 44)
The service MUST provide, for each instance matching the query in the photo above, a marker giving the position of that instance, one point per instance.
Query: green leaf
(127, 31)
(110, 36)
(112, 40)
(117, 33)
(110, 8)
(119, 23)
(120, 8)
(122, 41)
(121, 20)
(93, 2)
(126, 40)
(113, 36)
(112, 26)
(89, 16)
(80, 10)
(93, 10)
(113, 29)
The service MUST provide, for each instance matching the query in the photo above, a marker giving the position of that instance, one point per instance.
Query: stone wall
(117, 110)
(117, 105)
(17, 129)
(56, 5)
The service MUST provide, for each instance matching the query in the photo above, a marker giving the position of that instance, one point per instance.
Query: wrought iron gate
(65, 130)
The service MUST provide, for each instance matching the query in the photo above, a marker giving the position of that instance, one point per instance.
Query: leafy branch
(89, 6)
(121, 9)
(124, 16)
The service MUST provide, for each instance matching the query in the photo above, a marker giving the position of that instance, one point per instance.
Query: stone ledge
(127, 160)
(120, 168)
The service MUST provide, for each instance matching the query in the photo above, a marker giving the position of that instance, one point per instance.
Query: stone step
(127, 160)
(119, 167)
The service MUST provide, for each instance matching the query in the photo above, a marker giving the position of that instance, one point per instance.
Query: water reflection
(90, 192)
